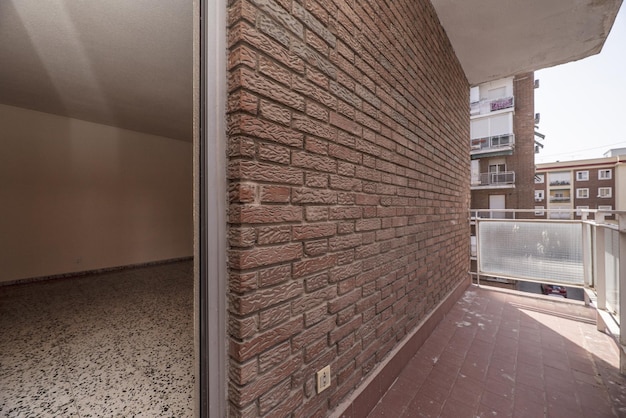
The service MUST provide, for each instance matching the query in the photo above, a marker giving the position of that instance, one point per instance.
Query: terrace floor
(121, 344)
(503, 354)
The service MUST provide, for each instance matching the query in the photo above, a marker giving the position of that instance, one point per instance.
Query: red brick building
(502, 143)
(581, 184)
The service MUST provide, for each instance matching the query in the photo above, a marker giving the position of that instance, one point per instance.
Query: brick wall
(523, 159)
(348, 188)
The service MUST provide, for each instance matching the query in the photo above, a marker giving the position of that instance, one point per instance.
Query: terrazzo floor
(111, 344)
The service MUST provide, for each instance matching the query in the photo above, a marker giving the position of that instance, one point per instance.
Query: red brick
(312, 334)
(302, 195)
(242, 351)
(274, 356)
(313, 265)
(244, 101)
(275, 194)
(273, 316)
(341, 302)
(243, 328)
(258, 257)
(316, 213)
(242, 193)
(265, 298)
(262, 384)
(275, 112)
(242, 237)
(309, 231)
(272, 398)
(311, 300)
(313, 92)
(273, 234)
(317, 180)
(244, 372)
(243, 124)
(244, 32)
(255, 171)
(265, 214)
(274, 275)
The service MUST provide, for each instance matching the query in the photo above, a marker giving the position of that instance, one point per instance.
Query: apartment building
(598, 183)
(502, 145)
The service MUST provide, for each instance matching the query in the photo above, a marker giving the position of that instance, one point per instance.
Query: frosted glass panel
(532, 250)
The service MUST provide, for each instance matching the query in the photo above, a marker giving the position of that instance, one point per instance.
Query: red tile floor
(502, 354)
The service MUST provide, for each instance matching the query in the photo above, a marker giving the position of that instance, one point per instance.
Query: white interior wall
(78, 196)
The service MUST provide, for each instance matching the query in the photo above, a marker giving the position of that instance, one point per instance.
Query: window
(605, 174)
(582, 194)
(605, 192)
(538, 195)
(605, 207)
(579, 211)
(582, 175)
(497, 168)
(539, 211)
(493, 126)
(539, 178)
(561, 178)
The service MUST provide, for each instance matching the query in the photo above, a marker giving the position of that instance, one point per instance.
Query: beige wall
(77, 196)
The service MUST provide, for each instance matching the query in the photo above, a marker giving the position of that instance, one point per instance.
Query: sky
(583, 103)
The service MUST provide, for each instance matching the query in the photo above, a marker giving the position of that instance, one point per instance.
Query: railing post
(587, 257)
(477, 229)
(600, 271)
(622, 292)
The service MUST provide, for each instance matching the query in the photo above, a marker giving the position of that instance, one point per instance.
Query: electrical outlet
(323, 379)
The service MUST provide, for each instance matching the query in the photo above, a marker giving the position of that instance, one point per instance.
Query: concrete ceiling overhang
(498, 38)
(124, 63)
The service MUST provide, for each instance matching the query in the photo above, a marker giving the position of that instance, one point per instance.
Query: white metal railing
(492, 143)
(495, 179)
(586, 253)
(560, 199)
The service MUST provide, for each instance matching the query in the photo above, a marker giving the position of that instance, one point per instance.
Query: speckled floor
(112, 344)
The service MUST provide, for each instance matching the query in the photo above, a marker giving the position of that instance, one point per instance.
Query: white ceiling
(498, 38)
(125, 63)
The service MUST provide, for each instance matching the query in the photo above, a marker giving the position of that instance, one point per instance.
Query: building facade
(582, 184)
(502, 145)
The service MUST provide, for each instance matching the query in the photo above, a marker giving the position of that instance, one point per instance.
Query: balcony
(492, 146)
(499, 180)
(559, 183)
(583, 253)
(500, 354)
(560, 199)
(484, 106)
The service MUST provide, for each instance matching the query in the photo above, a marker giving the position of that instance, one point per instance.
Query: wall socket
(323, 379)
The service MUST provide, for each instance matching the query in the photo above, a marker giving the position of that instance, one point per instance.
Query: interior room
(96, 185)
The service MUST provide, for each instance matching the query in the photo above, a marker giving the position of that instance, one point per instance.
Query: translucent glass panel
(611, 269)
(539, 251)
